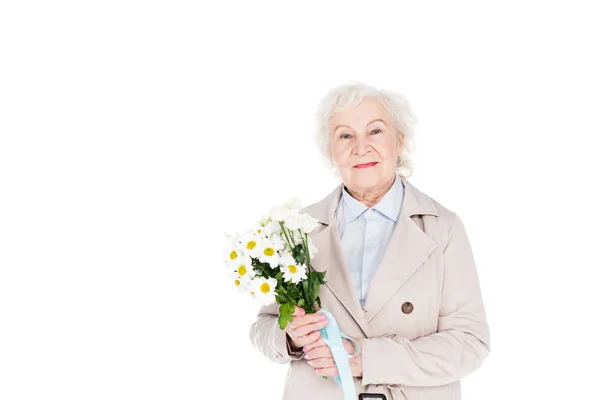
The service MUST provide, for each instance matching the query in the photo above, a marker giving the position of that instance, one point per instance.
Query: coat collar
(389, 205)
(415, 203)
(406, 251)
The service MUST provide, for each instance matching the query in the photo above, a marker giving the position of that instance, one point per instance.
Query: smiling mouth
(366, 165)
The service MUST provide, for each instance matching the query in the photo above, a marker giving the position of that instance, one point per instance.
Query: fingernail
(322, 317)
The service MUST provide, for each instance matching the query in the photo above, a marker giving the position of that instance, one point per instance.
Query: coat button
(407, 307)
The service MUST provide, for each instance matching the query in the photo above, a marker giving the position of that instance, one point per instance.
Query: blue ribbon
(333, 338)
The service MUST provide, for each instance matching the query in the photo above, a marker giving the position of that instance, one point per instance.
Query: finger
(318, 352)
(330, 371)
(298, 311)
(309, 318)
(316, 343)
(307, 339)
(316, 306)
(306, 329)
(349, 346)
(322, 362)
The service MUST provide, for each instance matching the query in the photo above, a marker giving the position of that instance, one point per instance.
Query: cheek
(388, 149)
(340, 154)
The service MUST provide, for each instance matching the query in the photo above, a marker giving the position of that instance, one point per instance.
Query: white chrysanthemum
(272, 228)
(278, 213)
(258, 230)
(249, 243)
(242, 266)
(263, 221)
(240, 284)
(233, 250)
(308, 223)
(277, 242)
(293, 221)
(267, 251)
(291, 270)
(263, 289)
(294, 204)
(281, 212)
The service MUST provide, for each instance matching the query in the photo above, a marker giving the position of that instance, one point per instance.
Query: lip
(366, 165)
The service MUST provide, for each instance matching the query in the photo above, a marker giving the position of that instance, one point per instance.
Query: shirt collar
(389, 205)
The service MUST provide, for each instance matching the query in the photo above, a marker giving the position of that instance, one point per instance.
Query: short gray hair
(350, 95)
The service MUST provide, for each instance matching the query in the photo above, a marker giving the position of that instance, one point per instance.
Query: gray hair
(350, 95)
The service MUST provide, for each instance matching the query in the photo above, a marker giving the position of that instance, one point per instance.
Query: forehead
(367, 110)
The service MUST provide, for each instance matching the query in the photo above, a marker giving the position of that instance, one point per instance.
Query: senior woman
(401, 277)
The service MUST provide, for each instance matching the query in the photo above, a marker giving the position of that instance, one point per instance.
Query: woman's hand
(320, 358)
(304, 328)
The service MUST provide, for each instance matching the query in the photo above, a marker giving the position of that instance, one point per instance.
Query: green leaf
(321, 277)
(301, 303)
(285, 314)
(282, 299)
(299, 254)
(282, 289)
(305, 290)
(313, 285)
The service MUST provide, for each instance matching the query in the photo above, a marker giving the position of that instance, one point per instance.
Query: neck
(371, 196)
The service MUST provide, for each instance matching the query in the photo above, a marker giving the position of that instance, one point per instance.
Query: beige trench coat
(409, 352)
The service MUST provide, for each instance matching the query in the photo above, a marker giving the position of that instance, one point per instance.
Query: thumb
(316, 305)
(298, 311)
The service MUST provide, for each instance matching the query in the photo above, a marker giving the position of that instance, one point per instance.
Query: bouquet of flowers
(272, 261)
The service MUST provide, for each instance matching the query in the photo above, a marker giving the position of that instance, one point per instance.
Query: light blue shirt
(365, 233)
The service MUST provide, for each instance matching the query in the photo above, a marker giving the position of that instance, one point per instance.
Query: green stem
(305, 243)
(286, 235)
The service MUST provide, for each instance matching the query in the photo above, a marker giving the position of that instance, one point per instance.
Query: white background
(134, 134)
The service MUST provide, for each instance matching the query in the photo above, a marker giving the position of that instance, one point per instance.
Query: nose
(362, 146)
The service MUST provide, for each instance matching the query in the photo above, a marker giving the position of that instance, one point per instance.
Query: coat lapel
(330, 256)
(406, 251)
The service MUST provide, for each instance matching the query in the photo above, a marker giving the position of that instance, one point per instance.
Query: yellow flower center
(237, 282)
(269, 251)
(251, 245)
(265, 287)
(259, 230)
(233, 255)
(242, 270)
(292, 268)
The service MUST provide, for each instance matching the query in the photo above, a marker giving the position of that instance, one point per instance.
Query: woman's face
(364, 145)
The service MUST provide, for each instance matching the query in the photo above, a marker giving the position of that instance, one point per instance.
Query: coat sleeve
(461, 342)
(269, 339)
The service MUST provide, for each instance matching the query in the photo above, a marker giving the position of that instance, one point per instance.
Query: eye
(376, 131)
(345, 136)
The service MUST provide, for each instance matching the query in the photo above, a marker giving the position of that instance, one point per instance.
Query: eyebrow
(375, 120)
